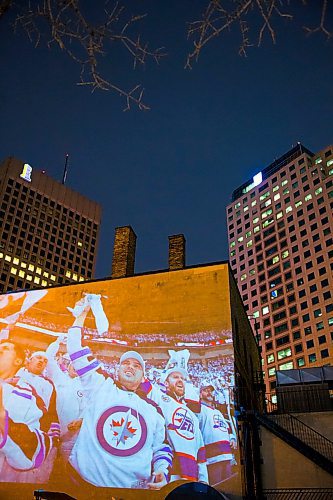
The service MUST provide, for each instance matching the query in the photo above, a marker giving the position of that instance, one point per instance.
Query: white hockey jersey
(122, 439)
(215, 433)
(184, 435)
(23, 446)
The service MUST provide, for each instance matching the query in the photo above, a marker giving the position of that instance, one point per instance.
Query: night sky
(171, 169)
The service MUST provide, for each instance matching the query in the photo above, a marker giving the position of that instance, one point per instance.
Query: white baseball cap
(168, 372)
(133, 355)
(39, 353)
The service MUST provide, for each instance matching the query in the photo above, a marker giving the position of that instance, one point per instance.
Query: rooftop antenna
(64, 177)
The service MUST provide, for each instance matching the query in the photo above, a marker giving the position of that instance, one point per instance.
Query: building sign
(26, 172)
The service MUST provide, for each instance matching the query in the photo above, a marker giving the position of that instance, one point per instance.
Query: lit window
(329, 163)
(44, 283)
(283, 183)
(79, 243)
(1, 255)
(298, 204)
(268, 222)
(308, 197)
(285, 254)
(31, 267)
(237, 205)
(38, 270)
(232, 253)
(36, 280)
(8, 258)
(286, 191)
(275, 259)
(330, 172)
(13, 270)
(279, 215)
(248, 234)
(246, 208)
(68, 274)
(52, 277)
(276, 188)
(264, 196)
(255, 201)
(267, 213)
(271, 372)
(46, 274)
(252, 272)
(270, 358)
(249, 243)
(232, 244)
(265, 310)
(318, 191)
(256, 229)
(277, 196)
(284, 353)
(16, 261)
(318, 160)
(240, 239)
(75, 277)
(255, 314)
(24, 265)
(29, 277)
(287, 366)
(243, 277)
(255, 220)
(81, 278)
(21, 274)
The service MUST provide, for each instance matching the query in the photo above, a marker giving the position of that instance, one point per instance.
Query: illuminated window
(16, 261)
(287, 366)
(270, 358)
(8, 258)
(298, 204)
(75, 277)
(237, 205)
(255, 220)
(46, 274)
(264, 196)
(267, 203)
(243, 277)
(276, 188)
(38, 270)
(283, 183)
(308, 197)
(271, 372)
(232, 253)
(52, 277)
(289, 209)
(267, 213)
(249, 243)
(275, 259)
(68, 273)
(21, 274)
(279, 215)
(286, 191)
(232, 244)
(248, 234)
(79, 243)
(29, 277)
(13, 270)
(277, 196)
(256, 229)
(31, 267)
(329, 163)
(268, 222)
(81, 278)
(284, 353)
(252, 272)
(246, 208)
(36, 280)
(24, 265)
(240, 239)
(318, 191)
(285, 254)
(1, 255)
(255, 314)
(44, 283)
(265, 310)
(318, 160)
(254, 202)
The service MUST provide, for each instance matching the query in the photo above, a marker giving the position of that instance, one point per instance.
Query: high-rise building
(48, 232)
(280, 227)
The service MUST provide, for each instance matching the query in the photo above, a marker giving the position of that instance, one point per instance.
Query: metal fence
(298, 494)
(301, 398)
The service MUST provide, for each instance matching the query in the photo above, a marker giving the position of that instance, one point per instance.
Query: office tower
(48, 232)
(281, 251)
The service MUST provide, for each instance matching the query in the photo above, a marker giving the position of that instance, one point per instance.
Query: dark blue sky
(171, 169)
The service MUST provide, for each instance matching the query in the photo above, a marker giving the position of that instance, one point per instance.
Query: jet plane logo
(121, 431)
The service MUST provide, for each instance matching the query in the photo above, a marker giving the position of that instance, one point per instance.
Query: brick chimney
(176, 252)
(123, 259)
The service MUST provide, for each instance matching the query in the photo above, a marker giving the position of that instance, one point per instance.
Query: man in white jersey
(182, 427)
(219, 441)
(23, 444)
(122, 441)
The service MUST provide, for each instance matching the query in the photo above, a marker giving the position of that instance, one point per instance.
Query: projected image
(85, 399)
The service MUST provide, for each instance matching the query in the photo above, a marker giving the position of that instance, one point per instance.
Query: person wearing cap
(122, 441)
(182, 426)
(23, 444)
(219, 441)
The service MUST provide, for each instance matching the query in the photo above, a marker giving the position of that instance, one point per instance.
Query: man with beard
(182, 427)
(23, 445)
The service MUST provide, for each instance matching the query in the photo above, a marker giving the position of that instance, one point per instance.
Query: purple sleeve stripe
(166, 449)
(41, 452)
(218, 448)
(55, 425)
(27, 396)
(79, 354)
(88, 368)
(163, 457)
(4, 437)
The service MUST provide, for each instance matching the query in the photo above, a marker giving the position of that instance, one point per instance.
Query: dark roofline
(109, 278)
(293, 153)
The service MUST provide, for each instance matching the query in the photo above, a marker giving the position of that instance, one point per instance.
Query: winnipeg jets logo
(121, 431)
(220, 423)
(182, 423)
